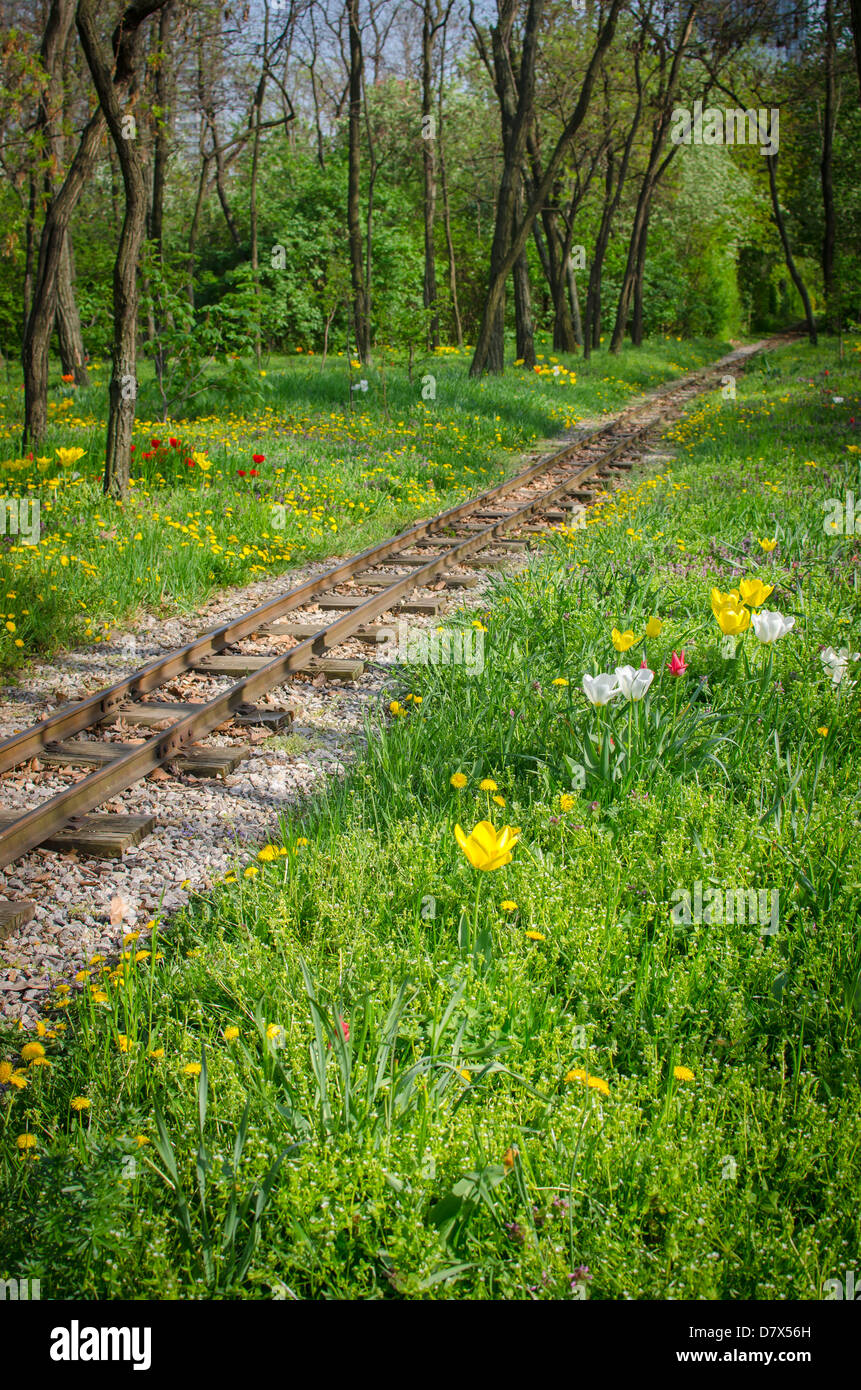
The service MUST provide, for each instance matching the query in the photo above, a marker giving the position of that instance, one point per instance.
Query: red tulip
(156, 443)
(677, 664)
(242, 472)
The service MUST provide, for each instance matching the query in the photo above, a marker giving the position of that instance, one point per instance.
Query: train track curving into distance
(405, 573)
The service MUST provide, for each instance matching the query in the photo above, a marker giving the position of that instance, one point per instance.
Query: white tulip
(770, 626)
(634, 681)
(837, 663)
(600, 689)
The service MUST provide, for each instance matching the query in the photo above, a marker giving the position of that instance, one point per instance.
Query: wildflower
(823, 730)
(251, 872)
(753, 592)
(566, 802)
(26, 1141)
(68, 457)
(301, 840)
(259, 458)
(599, 690)
(191, 1069)
(487, 785)
(683, 1074)
(560, 680)
(623, 640)
(508, 905)
(465, 1073)
(458, 780)
(140, 1140)
(733, 619)
(80, 1103)
(677, 664)
(231, 1033)
(499, 800)
(274, 1032)
(633, 683)
(18, 1079)
(836, 664)
(267, 853)
(485, 848)
(31, 1050)
(122, 1042)
(654, 627)
(41, 1062)
(578, 1074)
(535, 936)
(768, 546)
(596, 1084)
(5, 1073)
(397, 709)
(769, 627)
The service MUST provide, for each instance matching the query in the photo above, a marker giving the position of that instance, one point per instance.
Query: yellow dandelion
(458, 780)
(683, 1074)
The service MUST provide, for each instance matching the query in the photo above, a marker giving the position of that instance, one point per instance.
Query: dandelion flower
(31, 1050)
(191, 1069)
(458, 780)
(508, 905)
(80, 1103)
(683, 1074)
(231, 1033)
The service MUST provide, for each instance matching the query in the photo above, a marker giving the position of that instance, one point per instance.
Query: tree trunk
(855, 11)
(37, 333)
(637, 325)
(500, 266)
(795, 274)
(123, 386)
(829, 235)
(429, 173)
(68, 320)
(360, 304)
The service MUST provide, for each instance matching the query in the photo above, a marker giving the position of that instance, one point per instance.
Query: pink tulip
(677, 664)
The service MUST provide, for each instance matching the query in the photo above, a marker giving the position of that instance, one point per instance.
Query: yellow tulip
(654, 627)
(69, 456)
(623, 640)
(484, 847)
(719, 600)
(754, 592)
(733, 618)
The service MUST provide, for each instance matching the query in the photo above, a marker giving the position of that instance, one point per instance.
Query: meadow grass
(336, 469)
(363, 1068)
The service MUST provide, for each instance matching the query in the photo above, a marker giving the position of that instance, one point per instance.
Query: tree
(110, 86)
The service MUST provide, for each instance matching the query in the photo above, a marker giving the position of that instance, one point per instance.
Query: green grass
(451, 1145)
(342, 469)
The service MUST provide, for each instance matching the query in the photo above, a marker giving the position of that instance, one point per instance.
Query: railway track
(410, 572)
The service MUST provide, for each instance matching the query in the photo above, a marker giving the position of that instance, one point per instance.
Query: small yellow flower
(122, 1042)
(31, 1050)
(768, 545)
(140, 1140)
(822, 730)
(465, 1073)
(156, 1053)
(458, 780)
(508, 905)
(267, 853)
(26, 1141)
(18, 1080)
(654, 627)
(301, 840)
(487, 785)
(578, 1074)
(251, 872)
(231, 1033)
(499, 800)
(623, 640)
(566, 802)
(5, 1073)
(559, 680)
(536, 936)
(596, 1084)
(80, 1103)
(41, 1062)
(683, 1074)
(274, 1032)
(191, 1069)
